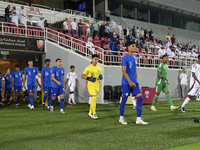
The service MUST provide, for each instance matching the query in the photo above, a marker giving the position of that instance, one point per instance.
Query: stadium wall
(112, 74)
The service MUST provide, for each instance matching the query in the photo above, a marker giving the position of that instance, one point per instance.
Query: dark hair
(47, 60)
(198, 56)
(7, 68)
(17, 66)
(58, 59)
(30, 60)
(72, 66)
(129, 43)
(40, 69)
(164, 56)
(95, 55)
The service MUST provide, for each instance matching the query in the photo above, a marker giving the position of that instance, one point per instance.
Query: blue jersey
(8, 81)
(129, 38)
(46, 73)
(30, 75)
(59, 73)
(131, 65)
(0, 80)
(17, 76)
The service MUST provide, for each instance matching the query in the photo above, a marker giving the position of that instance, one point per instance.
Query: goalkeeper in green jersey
(162, 83)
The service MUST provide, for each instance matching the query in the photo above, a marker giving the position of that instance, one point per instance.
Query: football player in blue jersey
(58, 73)
(1, 89)
(8, 84)
(30, 73)
(17, 78)
(130, 84)
(46, 82)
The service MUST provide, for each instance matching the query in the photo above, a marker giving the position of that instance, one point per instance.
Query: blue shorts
(8, 90)
(58, 91)
(31, 88)
(127, 89)
(1, 89)
(47, 90)
(18, 88)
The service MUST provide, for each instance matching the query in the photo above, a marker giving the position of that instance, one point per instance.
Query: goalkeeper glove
(92, 79)
(100, 77)
(166, 81)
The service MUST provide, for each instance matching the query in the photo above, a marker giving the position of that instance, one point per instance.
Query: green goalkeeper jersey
(163, 68)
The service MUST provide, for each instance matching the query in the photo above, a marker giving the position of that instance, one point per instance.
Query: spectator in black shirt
(102, 30)
(46, 24)
(146, 35)
(125, 31)
(7, 13)
(99, 17)
(151, 35)
(80, 28)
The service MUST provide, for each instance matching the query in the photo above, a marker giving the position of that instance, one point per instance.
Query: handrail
(20, 2)
(43, 6)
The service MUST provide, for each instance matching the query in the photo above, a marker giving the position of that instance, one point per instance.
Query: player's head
(40, 69)
(131, 46)
(30, 62)
(7, 69)
(165, 58)
(58, 62)
(72, 68)
(95, 59)
(47, 62)
(183, 70)
(17, 67)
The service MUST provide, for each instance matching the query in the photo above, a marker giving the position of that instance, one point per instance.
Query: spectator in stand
(65, 26)
(40, 22)
(115, 45)
(88, 28)
(108, 12)
(15, 14)
(137, 33)
(107, 29)
(151, 35)
(7, 13)
(90, 46)
(105, 41)
(161, 50)
(92, 29)
(102, 30)
(141, 34)
(129, 38)
(173, 39)
(168, 43)
(120, 28)
(113, 24)
(99, 17)
(168, 36)
(111, 35)
(125, 31)
(138, 44)
(46, 24)
(141, 43)
(22, 15)
(74, 26)
(146, 35)
(80, 28)
(133, 31)
(184, 83)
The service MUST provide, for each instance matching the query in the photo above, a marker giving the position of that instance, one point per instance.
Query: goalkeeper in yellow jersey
(93, 73)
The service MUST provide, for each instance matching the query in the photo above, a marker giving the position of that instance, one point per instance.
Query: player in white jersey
(194, 83)
(24, 90)
(71, 81)
(39, 86)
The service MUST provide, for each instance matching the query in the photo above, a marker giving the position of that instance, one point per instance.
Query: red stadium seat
(142, 51)
(96, 38)
(105, 47)
(97, 42)
(82, 36)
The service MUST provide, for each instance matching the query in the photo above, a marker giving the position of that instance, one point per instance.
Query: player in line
(38, 85)
(71, 78)
(194, 83)
(17, 79)
(46, 83)
(93, 73)
(8, 85)
(1, 90)
(162, 83)
(58, 73)
(30, 73)
(130, 84)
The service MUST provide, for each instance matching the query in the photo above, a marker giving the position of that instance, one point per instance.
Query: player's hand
(65, 87)
(42, 87)
(92, 79)
(86, 87)
(132, 84)
(77, 84)
(8, 71)
(58, 83)
(100, 77)
(167, 82)
(24, 87)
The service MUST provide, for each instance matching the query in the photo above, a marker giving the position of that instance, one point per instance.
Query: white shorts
(194, 89)
(23, 89)
(39, 88)
(71, 88)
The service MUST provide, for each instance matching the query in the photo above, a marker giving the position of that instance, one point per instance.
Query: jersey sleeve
(12, 75)
(159, 67)
(36, 71)
(181, 76)
(63, 72)
(76, 76)
(86, 71)
(42, 72)
(54, 71)
(25, 71)
(101, 71)
(124, 62)
(193, 68)
(68, 75)
(37, 77)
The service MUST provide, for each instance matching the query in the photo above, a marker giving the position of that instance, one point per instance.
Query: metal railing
(106, 57)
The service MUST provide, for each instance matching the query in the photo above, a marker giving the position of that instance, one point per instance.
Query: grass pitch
(25, 129)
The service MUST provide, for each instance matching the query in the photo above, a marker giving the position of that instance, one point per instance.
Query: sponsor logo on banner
(40, 44)
(147, 94)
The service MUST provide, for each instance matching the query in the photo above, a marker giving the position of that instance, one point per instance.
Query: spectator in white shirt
(141, 34)
(74, 26)
(120, 28)
(113, 24)
(15, 14)
(137, 32)
(108, 12)
(40, 22)
(88, 28)
(90, 46)
(161, 51)
(184, 83)
(65, 26)
(22, 15)
(168, 43)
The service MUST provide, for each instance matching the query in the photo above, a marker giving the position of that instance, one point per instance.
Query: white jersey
(72, 77)
(25, 84)
(39, 81)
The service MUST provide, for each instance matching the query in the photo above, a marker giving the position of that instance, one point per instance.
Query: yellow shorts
(94, 91)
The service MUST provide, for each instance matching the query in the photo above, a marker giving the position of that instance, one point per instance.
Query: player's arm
(24, 81)
(42, 82)
(195, 77)
(166, 81)
(136, 75)
(12, 83)
(92, 79)
(63, 80)
(86, 83)
(39, 75)
(127, 77)
(53, 79)
(38, 82)
(66, 82)
(180, 78)
(77, 82)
